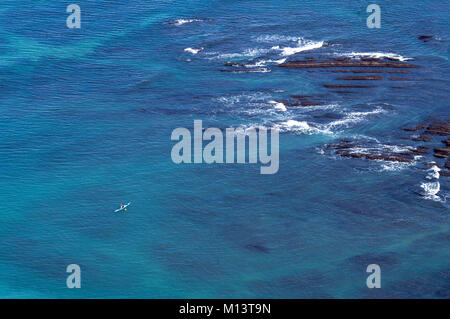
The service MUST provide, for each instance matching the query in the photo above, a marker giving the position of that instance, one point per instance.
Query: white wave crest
(431, 190)
(276, 38)
(257, 97)
(248, 53)
(192, 50)
(261, 70)
(433, 172)
(302, 45)
(353, 117)
(262, 63)
(184, 21)
(299, 127)
(278, 105)
(395, 166)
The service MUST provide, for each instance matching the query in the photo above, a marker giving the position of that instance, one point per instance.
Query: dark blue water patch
(388, 259)
(293, 285)
(48, 22)
(257, 248)
(428, 244)
(37, 254)
(152, 111)
(83, 80)
(191, 263)
(436, 285)
(74, 145)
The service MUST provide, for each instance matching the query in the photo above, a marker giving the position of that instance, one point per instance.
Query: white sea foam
(278, 105)
(276, 38)
(184, 21)
(378, 55)
(374, 147)
(257, 97)
(365, 137)
(260, 70)
(290, 125)
(431, 190)
(257, 64)
(433, 172)
(320, 151)
(192, 50)
(331, 107)
(302, 45)
(248, 53)
(262, 63)
(353, 117)
(395, 166)
(379, 149)
(299, 127)
(400, 149)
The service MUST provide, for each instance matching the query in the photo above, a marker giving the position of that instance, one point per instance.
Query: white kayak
(125, 206)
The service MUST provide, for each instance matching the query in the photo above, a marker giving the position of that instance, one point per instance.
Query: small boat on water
(124, 207)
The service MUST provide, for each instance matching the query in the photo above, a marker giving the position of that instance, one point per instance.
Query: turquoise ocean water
(86, 118)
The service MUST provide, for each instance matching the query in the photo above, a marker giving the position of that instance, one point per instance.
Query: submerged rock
(328, 116)
(443, 152)
(341, 59)
(438, 129)
(334, 86)
(359, 78)
(343, 92)
(306, 103)
(370, 59)
(257, 248)
(425, 38)
(417, 151)
(398, 71)
(384, 157)
(357, 71)
(399, 79)
(422, 139)
(331, 64)
(245, 70)
(234, 64)
(352, 149)
(371, 71)
(416, 128)
(305, 100)
(301, 96)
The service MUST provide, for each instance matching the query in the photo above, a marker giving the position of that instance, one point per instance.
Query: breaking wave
(193, 51)
(184, 21)
(353, 117)
(301, 127)
(274, 52)
(431, 189)
(278, 105)
(302, 45)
